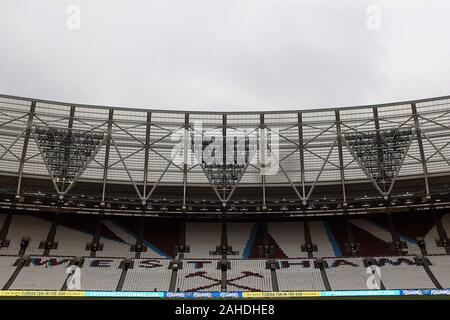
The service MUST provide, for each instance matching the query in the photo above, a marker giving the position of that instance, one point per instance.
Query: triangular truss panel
(380, 153)
(63, 144)
(66, 152)
(224, 176)
(354, 122)
(99, 124)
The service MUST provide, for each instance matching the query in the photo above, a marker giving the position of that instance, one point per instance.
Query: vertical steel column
(422, 154)
(67, 150)
(395, 236)
(185, 157)
(25, 148)
(262, 151)
(302, 155)
(95, 244)
(308, 240)
(379, 146)
(224, 237)
(147, 150)
(224, 155)
(266, 245)
(108, 146)
(352, 247)
(140, 237)
(341, 160)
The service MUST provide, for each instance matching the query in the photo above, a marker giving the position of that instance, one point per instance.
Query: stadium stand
(148, 275)
(2, 219)
(7, 268)
(42, 274)
(249, 275)
(100, 274)
(116, 241)
(199, 275)
(440, 267)
(202, 238)
(322, 236)
(299, 275)
(445, 220)
(375, 230)
(241, 237)
(94, 187)
(347, 274)
(72, 235)
(418, 226)
(160, 238)
(430, 242)
(405, 277)
(26, 227)
(289, 237)
(401, 272)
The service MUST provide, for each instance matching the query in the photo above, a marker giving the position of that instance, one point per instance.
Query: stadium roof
(321, 153)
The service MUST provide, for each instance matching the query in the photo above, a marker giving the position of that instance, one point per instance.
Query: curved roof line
(390, 104)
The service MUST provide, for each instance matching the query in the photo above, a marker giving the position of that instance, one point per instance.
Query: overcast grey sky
(225, 55)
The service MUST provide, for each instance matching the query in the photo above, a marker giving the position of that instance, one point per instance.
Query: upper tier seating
(71, 242)
(289, 236)
(446, 224)
(118, 247)
(430, 242)
(2, 219)
(25, 226)
(202, 238)
(239, 235)
(320, 237)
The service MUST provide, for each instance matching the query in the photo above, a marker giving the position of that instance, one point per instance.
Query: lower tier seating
(300, 280)
(405, 277)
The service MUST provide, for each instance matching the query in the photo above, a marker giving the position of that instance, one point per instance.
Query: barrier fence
(222, 295)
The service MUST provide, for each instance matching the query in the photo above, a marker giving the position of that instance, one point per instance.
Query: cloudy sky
(225, 55)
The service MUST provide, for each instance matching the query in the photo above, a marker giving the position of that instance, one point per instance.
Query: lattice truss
(147, 149)
(380, 142)
(13, 125)
(380, 153)
(67, 152)
(434, 119)
(67, 141)
(228, 148)
(307, 151)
